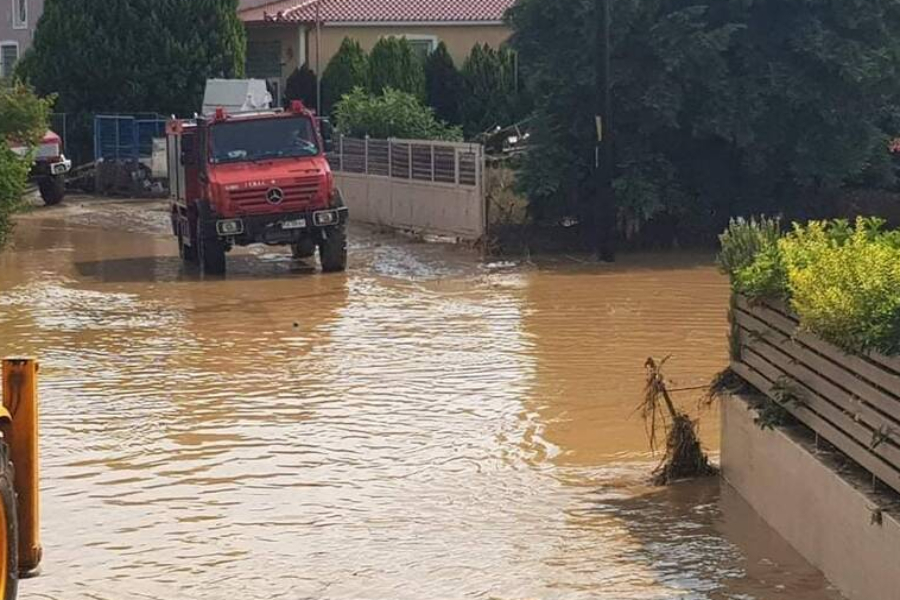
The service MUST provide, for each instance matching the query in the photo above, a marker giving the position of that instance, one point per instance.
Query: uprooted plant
(684, 456)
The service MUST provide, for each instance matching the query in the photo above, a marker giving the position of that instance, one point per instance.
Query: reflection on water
(423, 427)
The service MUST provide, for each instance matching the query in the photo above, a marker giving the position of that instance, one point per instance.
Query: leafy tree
(394, 64)
(491, 98)
(23, 120)
(445, 84)
(346, 70)
(392, 114)
(718, 108)
(134, 55)
(302, 85)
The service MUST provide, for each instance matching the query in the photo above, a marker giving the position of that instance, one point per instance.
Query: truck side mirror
(327, 130)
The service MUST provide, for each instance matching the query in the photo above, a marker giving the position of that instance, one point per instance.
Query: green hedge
(392, 114)
(842, 280)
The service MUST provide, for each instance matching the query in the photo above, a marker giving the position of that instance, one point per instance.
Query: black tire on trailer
(9, 526)
(333, 249)
(53, 189)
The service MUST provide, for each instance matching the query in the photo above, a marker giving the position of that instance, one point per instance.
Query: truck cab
(257, 177)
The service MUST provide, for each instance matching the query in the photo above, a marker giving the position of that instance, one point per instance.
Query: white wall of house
(18, 19)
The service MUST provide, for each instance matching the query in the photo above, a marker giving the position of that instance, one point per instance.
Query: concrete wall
(822, 515)
(423, 207)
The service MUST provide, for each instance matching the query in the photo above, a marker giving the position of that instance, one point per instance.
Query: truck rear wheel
(211, 253)
(212, 257)
(333, 250)
(187, 253)
(9, 528)
(53, 189)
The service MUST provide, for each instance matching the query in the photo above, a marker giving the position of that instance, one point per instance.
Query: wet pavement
(428, 425)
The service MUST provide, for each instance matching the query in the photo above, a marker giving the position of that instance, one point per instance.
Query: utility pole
(604, 221)
(318, 60)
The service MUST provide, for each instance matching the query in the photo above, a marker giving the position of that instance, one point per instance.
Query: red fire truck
(49, 169)
(251, 178)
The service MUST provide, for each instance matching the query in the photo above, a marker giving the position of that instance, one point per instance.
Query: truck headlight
(325, 218)
(230, 227)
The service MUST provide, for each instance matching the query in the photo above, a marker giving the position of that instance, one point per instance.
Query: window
(9, 54)
(264, 60)
(422, 45)
(260, 139)
(20, 14)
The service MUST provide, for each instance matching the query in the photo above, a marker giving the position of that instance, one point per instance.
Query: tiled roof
(376, 11)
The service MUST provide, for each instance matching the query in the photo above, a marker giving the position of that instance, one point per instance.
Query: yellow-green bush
(843, 281)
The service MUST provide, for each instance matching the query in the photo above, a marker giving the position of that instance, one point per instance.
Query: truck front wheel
(211, 252)
(53, 189)
(333, 250)
(9, 529)
(304, 249)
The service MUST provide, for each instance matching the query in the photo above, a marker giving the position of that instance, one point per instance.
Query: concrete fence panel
(421, 186)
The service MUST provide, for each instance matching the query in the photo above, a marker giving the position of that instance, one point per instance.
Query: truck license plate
(295, 224)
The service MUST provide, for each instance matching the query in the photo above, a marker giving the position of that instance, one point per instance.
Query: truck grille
(296, 195)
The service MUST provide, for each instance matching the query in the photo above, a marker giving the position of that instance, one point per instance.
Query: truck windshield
(259, 139)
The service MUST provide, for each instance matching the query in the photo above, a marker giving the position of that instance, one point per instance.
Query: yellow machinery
(20, 547)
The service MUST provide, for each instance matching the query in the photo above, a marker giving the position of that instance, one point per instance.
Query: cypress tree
(301, 85)
(393, 64)
(444, 84)
(490, 98)
(346, 70)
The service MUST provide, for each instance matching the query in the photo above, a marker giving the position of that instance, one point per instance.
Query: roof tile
(379, 11)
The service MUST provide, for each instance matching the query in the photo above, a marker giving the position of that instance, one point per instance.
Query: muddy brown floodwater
(427, 426)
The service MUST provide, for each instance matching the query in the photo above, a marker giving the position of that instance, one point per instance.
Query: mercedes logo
(275, 195)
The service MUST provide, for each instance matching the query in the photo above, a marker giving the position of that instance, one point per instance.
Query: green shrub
(842, 280)
(392, 114)
(846, 292)
(765, 277)
(744, 239)
(23, 118)
(347, 69)
(394, 64)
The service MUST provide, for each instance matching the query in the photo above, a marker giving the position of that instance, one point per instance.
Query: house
(282, 35)
(18, 19)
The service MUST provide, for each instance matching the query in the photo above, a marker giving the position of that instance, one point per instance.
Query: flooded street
(425, 426)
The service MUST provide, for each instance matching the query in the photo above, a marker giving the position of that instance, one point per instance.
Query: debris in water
(684, 457)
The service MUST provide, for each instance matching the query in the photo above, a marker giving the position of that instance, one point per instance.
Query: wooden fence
(853, 402)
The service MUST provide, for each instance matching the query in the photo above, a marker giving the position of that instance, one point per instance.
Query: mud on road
(427, 425)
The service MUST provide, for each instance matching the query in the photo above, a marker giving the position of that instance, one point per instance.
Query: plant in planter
(841, 280)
